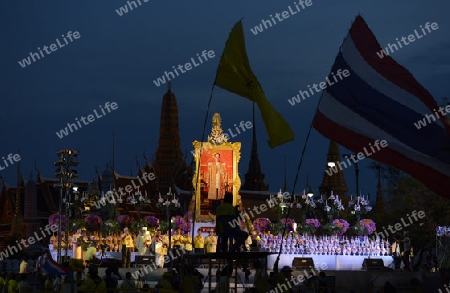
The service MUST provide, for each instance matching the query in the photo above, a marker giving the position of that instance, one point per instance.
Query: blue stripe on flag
(387, 114)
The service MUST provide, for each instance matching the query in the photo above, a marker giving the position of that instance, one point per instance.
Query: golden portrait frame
(230, 151)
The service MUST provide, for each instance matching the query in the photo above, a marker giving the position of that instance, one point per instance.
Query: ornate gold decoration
(217, 137)
(235, 147)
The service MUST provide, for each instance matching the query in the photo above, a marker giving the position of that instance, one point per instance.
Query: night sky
(116, 58)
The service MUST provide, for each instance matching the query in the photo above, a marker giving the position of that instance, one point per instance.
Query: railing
(342, 289)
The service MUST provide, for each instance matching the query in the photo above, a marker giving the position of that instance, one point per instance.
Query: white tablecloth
(333, 262)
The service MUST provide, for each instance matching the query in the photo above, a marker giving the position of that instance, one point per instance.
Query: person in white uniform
(143, 242)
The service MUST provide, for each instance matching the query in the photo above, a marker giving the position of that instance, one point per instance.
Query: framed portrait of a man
(216, 171)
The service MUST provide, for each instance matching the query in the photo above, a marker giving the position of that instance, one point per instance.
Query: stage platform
(332, 262)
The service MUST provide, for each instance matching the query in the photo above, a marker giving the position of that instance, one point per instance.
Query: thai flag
(381, 100)
(51, 267)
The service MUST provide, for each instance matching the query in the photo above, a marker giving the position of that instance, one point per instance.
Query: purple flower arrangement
(262, 225)
(182, 224)
(124, 220)
(342, 224)
(188, 217)
(54, 220)
(289, 223)
(93, 220)
(369, 225)
(153, 222)
(313, 223)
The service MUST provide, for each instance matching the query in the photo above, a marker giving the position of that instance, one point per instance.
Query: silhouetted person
(227, 225)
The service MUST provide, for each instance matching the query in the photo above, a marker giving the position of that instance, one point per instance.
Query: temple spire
(168, 162)
(335, 182)
(17, 210)
(16, 227)
(254, 179)
(379, 202)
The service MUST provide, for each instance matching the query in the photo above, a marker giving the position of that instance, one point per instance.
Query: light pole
(65, 175)
(170, 204)
(348, 156)
(331, 165)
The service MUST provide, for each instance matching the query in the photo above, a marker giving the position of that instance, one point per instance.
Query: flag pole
(197, 175)
(275, 266)
(203, 138)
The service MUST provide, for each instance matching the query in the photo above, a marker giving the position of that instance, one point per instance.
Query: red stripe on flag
(368, 46)
(434, 180)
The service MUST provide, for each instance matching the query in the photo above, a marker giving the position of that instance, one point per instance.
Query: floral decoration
(310, 226)
(54, 220)
(181, 223)
(368, 225)
(188, 217)
(360, 206)
(124, 220)
(153, 222)
(168, 201)
(342, 224)
(442, 231)
(329, 229)
(313, 223)
(93, 220)
(77, 224)
(262, 225)
(112, 226)
(137, 224)
(357, 230)
(277, 228)
(289, 223)
(332, 206)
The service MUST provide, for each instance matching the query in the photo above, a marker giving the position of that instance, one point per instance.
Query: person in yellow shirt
(187, 242)
(199, 242)
(158, 243)
(127, 248)
(211, 243)
(48, 285)
(178, 239)
(23, 268)
(3, 281)
(178, 245)
(13, 286)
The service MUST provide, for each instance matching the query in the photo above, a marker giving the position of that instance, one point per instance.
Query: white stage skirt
(109, 254)
(328, 262)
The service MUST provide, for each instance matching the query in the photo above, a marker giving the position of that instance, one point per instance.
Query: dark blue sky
(117, 58)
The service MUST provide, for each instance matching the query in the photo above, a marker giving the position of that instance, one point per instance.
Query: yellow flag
(235, 75)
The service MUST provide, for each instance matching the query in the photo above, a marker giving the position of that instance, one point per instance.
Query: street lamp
(330, 164)
(348, 156)
(170, 204)
(65, 175)
(309, 192)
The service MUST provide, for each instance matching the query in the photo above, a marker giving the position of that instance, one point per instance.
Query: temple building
(169, 167)
(28, 205)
